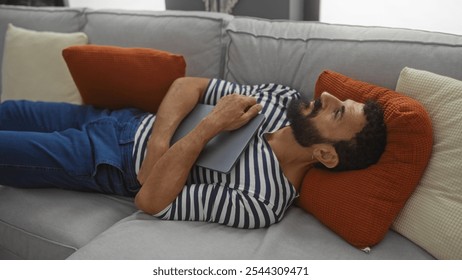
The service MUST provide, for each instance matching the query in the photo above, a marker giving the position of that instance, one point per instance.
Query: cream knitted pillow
(432, 217)
(33, 66)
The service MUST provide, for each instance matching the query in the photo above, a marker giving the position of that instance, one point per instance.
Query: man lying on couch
(127, 152)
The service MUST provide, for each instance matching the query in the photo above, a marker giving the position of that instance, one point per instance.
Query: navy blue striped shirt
(255, 193)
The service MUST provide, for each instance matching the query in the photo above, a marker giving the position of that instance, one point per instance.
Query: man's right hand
(232, 112)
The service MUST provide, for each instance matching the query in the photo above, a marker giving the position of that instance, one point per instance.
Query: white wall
(434, 15)
(120, 4)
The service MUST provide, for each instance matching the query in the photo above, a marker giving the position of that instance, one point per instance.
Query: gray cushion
(7, 255)
(198, 37)
(298, 236)
(40, 19)
(52, 224)
(305, 49)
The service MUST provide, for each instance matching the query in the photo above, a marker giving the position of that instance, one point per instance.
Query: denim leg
(46, 116)
(40, 160)
(67, 146)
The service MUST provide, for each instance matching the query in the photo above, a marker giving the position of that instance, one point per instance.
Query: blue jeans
(68, 146)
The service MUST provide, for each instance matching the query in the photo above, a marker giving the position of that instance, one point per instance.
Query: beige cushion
(33, 66)
(432, 217)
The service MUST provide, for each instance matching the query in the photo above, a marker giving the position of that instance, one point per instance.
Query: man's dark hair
(366, 147)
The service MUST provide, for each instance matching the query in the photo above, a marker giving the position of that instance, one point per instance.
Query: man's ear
(326, 154)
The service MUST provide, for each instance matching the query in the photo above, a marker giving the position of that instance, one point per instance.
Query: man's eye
(336, 113)
(339, 112)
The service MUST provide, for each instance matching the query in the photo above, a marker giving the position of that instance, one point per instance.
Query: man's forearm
(169, 174)
(181, 98)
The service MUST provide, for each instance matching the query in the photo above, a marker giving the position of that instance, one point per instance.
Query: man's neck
(294, 159)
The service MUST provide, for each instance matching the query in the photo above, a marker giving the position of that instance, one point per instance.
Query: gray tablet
(220, 153)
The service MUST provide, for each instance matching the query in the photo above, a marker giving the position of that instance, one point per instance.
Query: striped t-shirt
(255, 193)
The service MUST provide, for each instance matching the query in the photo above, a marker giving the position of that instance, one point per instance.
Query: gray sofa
(59, 224)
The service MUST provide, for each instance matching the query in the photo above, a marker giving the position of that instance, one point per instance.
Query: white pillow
(432, 217)
(33, 66)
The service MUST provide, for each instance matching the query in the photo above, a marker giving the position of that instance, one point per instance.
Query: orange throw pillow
(361, 205)
(115, 77)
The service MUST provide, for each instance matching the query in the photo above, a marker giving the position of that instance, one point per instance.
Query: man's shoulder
(276, 86)
(279, 90)
(272, 89)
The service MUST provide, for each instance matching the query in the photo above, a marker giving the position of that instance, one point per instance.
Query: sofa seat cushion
(53, 224)
(298, 236)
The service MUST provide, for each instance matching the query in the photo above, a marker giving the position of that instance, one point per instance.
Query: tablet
(222, 151)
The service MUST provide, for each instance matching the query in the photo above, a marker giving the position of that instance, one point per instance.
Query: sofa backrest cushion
(295, 53)
(361, 205)
(39, 19)
(198, 37)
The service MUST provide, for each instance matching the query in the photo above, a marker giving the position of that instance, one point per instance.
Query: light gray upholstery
(298, 236)
(52, 224)
(56, 224)
(198, 37)
(294, 53)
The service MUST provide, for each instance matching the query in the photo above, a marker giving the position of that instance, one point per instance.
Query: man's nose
(329, 99)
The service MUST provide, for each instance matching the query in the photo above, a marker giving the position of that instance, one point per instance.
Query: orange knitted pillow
(361, 205)
(115, 77)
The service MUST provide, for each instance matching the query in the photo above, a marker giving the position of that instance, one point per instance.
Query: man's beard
(303, 127)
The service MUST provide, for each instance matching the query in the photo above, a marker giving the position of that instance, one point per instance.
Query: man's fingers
(234, 111)
(250, 100)
(252, 112)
